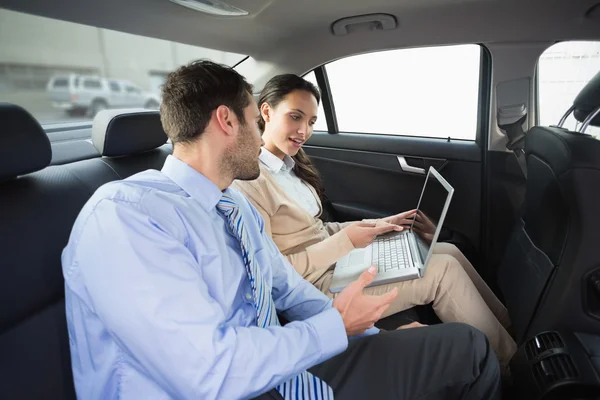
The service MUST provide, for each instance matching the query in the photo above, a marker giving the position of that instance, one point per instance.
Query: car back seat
(38, 206)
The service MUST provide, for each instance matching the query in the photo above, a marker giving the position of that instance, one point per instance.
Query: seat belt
(510, 120)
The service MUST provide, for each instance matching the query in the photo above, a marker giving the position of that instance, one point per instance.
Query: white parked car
(81, 94)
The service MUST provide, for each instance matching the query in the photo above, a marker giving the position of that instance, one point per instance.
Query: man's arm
(295, 298)
(147, 289)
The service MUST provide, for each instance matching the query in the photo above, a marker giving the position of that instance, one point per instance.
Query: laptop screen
(429, 213)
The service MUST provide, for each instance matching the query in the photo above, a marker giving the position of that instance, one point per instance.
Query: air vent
(554, 369)
(541, 343)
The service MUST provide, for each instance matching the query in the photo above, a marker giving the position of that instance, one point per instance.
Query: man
(173, 288)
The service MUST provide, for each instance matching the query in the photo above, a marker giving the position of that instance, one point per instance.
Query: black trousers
(445, 361)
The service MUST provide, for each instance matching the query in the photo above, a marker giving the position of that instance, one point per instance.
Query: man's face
(244, 153)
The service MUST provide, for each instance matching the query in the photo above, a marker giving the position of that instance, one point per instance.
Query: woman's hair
(274, 93)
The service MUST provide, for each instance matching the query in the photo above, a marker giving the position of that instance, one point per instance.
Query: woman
(289, 194)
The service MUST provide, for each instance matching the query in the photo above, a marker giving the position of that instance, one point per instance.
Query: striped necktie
(304, 386)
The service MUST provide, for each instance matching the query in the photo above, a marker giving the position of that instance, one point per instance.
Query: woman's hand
(403, 219)
(363, 233)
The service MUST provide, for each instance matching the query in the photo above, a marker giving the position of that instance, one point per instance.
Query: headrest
(24, 146)
(588, 100)
(123, 132)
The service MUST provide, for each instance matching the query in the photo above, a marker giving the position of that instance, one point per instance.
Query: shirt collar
(199, 187)
(274, 163)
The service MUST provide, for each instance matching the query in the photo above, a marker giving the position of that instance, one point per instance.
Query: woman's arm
(334, 227)
(307, 261)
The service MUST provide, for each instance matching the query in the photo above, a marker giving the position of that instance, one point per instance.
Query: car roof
(303, 28)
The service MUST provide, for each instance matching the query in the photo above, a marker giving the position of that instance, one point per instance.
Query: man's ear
(226, 119)
(265, 112)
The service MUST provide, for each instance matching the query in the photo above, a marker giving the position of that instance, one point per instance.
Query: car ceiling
(275, 28)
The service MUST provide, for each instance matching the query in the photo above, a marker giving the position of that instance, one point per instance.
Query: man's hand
(363, 233)
(403, 219)
(359, 311)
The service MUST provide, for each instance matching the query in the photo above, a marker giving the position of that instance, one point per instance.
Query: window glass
(429, 92)
(61, 83)
(115, 87)
(92, 84)
(563, 70)
(133, 90)
(34, 50)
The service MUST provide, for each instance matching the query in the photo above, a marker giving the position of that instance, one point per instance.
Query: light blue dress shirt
(159, 304)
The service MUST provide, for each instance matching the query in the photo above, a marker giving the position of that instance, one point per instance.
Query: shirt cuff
(331, 333)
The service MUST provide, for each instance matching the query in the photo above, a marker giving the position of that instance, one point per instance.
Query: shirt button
(248, 296)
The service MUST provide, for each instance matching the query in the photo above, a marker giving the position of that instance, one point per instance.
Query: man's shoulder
(144, 191)
(133, 189)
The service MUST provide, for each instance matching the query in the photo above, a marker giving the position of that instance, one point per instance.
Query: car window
(61, 83)
(563, 70)
(428, 92)
(115, 87)
(133, 90)
(35, 50)
(92, 84)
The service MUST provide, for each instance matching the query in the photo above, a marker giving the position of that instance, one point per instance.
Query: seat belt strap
(515, 133)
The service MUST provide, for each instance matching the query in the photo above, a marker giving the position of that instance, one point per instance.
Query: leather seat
(38, 206)
(555, 247)
(130, 141)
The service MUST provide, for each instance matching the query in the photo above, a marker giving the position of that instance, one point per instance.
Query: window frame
(483, 99)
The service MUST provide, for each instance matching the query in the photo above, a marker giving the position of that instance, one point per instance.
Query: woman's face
(289, 125)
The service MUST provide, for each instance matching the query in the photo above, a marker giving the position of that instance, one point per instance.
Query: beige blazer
(310, 245)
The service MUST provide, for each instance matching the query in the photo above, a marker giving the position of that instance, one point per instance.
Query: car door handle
(409, 168)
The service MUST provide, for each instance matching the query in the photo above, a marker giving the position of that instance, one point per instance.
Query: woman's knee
(448, 248)
(442, 265)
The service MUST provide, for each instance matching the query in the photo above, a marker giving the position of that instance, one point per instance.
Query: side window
(321, 124)
(427, 92)
(563, 70)
(60, 83)
(93, 84)
(115, 87)
(133, 90)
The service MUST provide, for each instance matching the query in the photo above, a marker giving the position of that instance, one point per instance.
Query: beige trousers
(458, 294)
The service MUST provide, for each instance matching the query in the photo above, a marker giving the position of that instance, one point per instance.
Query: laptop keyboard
(390, 253)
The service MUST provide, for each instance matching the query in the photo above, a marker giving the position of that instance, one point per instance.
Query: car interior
(527, 186)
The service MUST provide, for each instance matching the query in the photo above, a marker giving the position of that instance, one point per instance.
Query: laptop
(400, 256)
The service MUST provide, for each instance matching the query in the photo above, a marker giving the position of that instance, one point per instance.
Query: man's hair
(194, 91)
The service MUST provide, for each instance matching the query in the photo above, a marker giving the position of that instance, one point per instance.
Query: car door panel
(370, 183)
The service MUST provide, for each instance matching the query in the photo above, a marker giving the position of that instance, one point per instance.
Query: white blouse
(294, 187)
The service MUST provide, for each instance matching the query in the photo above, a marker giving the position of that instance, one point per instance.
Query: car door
(387, 117)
